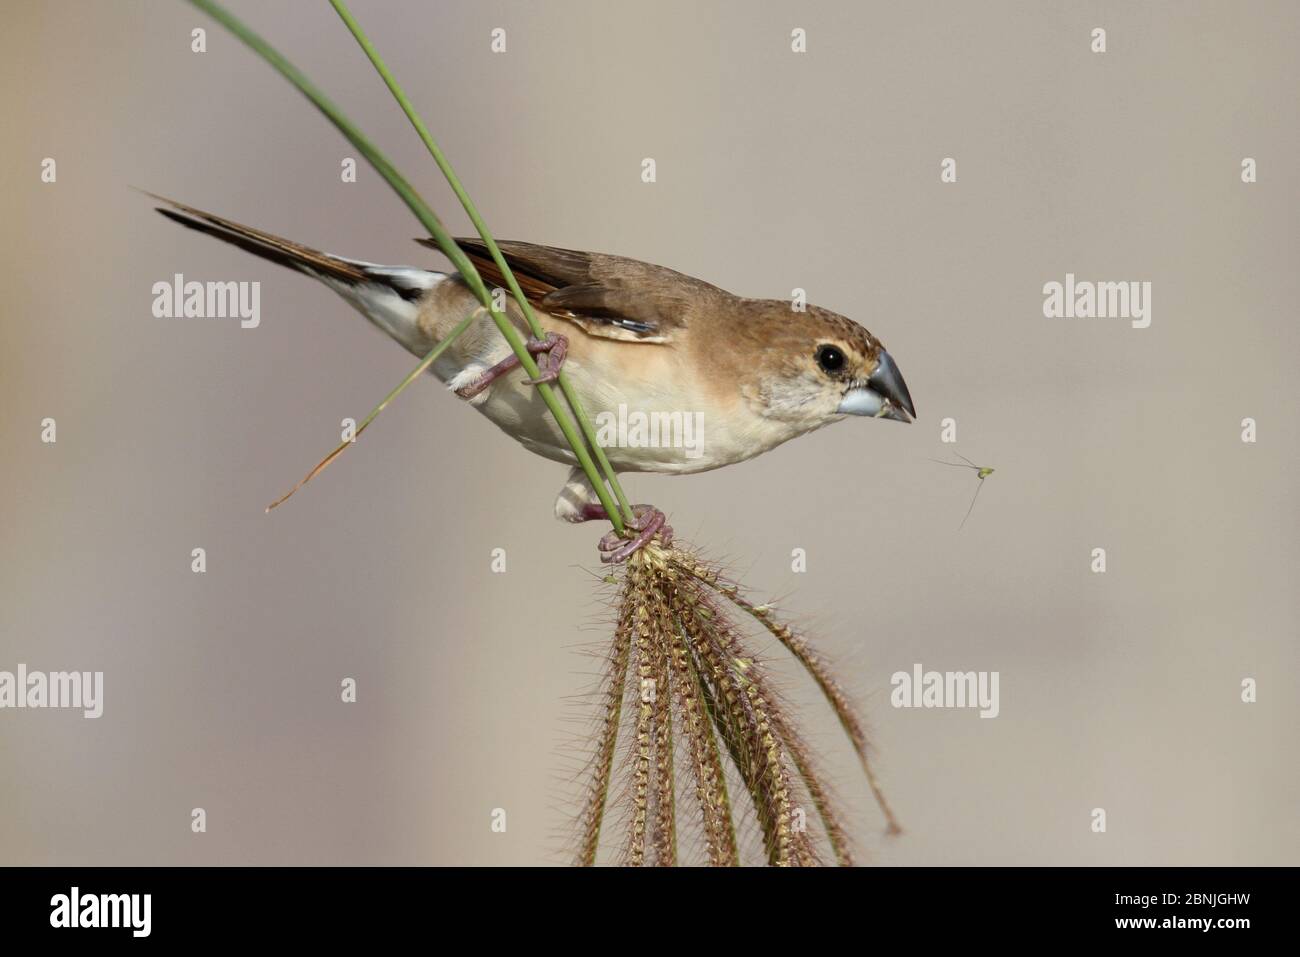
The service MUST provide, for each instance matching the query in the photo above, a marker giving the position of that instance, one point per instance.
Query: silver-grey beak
(886, 395)
(888, 381)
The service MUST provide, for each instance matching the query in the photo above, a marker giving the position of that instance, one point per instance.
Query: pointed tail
(386, 295)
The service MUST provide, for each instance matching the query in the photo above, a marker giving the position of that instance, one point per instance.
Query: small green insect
(981, 471)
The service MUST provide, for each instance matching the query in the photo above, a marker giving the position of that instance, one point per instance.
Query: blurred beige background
(775, 170)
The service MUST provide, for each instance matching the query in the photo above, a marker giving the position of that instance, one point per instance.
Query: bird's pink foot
(552, 349)
(648, 523)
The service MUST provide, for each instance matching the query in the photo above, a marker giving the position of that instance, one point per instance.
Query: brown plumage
(610, 296)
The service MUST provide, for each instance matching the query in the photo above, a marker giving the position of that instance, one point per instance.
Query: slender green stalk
(430, 222)
(414, 374)
(454, 181)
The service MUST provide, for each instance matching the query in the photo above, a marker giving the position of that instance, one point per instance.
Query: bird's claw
(550, 351)
(647, 523)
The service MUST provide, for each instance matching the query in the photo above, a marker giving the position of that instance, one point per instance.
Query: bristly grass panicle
(698, 709)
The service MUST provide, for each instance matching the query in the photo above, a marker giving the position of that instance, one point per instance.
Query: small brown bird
(679, 375)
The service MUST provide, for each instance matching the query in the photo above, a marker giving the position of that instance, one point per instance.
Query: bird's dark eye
(830, 358)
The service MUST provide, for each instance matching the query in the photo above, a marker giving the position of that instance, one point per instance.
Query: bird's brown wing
(607, 296)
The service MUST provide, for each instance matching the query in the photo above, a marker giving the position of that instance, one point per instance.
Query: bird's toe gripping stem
(551, 351)
(648, 523)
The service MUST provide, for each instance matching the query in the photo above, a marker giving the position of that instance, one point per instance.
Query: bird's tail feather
(386, 295)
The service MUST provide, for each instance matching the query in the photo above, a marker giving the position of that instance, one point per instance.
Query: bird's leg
(553, 348)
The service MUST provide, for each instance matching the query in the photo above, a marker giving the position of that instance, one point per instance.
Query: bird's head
(817, 366)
